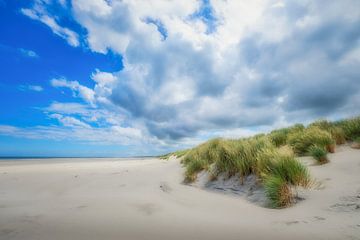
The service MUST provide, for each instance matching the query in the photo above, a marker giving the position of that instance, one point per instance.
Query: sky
(90, 78)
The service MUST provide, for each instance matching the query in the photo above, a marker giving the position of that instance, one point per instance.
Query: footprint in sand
(147, 208)
(7, 231)
(165, 187)
(345, 207)
(291, 222)
(347, 204)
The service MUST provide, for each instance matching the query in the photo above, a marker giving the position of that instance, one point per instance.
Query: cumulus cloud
(192, 67)
(103, 78)
(266, 62)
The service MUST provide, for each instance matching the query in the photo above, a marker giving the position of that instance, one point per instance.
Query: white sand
(135, 200)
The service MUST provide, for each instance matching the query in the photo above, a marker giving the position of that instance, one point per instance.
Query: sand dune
(135, 200)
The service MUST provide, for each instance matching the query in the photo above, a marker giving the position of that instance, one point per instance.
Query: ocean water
(14, 160)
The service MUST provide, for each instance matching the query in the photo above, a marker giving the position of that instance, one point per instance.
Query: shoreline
(19, 161)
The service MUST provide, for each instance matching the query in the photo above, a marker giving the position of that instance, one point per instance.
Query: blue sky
(120, 78)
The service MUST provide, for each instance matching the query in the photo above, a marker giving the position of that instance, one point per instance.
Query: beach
(146, 199)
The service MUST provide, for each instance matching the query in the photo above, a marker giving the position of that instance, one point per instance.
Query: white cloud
(67, 108)
(234, 77)
(90, 114)
(84, 92)
(38, 13)
(69, 121)
(103, 78)
(265, 64)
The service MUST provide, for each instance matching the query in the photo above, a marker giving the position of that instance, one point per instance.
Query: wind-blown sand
(135, 200)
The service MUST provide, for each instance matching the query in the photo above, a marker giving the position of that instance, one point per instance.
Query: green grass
(356, 143)
(201, 157)
(177, 154)
(271, 157)
(279, 137)
(229, 159)
(192, 169)
(322, 124)
(337, 133)
(265, 161)
(181, 153)
(278, 191)
(291, 171)
(351, 127)
(239, 156)
(302, 141)
(319, 154)
(244, 157)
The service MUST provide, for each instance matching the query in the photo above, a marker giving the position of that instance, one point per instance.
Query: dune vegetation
(319, 154)
(356, 143)
(270, 157)
(177, 154)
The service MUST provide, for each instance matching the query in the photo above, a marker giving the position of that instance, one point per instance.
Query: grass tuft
(356, 143)
(278, 191)
(302, 141)
(279, 137)
(319, 154)
(351, 127)
(292, 171)
(336, 132)
(192, 169)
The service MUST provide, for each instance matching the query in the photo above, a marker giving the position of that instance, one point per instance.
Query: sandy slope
(145, 200)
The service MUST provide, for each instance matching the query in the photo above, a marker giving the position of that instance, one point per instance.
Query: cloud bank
(196, 69)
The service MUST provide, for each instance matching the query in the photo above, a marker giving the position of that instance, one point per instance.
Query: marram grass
(291, 171)
(336, 132)
(319, 154)
(244, 157)
(177, 154)
(301, 141)
(192, 169)
(271, 157)
(278, 191)
(279, 137)
(351, 127)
